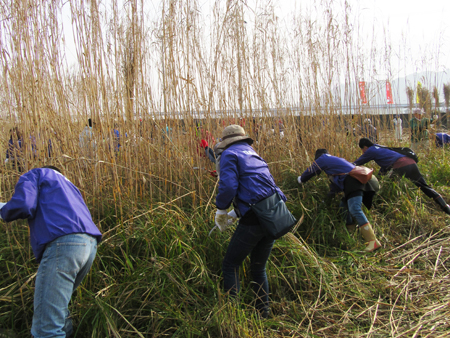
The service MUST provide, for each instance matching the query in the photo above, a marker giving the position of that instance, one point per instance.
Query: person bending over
(244, 179)
(401, 165)
(64, 241)
(355, 192)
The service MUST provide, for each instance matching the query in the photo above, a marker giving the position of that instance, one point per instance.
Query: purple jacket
(382, 156)
(54, 208)
(331, 165)
(441, 139)
(245, 175)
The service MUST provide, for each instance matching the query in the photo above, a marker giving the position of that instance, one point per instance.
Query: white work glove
(6, 161)
(221, 219)
(436, 117)
(232, 216)
(299, 180)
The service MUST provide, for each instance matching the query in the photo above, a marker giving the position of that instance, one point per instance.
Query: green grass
(159, 275)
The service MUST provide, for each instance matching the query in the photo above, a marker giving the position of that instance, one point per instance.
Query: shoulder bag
(274, 216)
(362, 174)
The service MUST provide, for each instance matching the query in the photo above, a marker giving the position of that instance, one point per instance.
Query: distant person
(355, 192)
(244, 179)
(14, 151)
(64, 241)
(281, 129)
(87, 140)
(116, 137)
(401, 165)
(419, 129)
(398, 127)
(442, 139)
(207, 152)
(353, 128)
(368, 130)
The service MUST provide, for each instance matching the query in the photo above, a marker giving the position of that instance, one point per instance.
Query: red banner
(362, 92)
(389, 98)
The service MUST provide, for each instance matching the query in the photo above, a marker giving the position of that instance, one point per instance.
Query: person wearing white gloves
(244, 179)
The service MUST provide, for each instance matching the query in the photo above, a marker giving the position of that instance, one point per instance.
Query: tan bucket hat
(233, 134)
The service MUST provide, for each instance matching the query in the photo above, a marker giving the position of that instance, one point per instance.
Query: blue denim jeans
(65, 262)
(248, 240)
(353, 209)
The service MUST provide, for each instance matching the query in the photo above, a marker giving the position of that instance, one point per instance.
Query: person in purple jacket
(442, 139)
(244, 178)
(64, 241)
(14, 151)
(355, 192)
(401, 165)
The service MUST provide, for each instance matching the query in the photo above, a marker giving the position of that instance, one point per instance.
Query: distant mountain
(376, 90)
(429, 80)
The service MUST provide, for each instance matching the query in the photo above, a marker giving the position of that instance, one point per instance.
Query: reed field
(166, 77)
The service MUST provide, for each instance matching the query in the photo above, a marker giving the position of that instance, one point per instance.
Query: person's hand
(299, 180)
(232, 216)
(6, 161)
(436, 117)
(221, 219)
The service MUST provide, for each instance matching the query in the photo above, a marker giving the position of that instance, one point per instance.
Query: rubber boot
(444, 206)
(369, 236)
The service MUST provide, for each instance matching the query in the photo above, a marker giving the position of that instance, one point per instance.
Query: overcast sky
(418, 30)
(424, 26)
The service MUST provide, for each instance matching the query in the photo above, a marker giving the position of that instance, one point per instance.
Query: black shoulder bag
(274, 216)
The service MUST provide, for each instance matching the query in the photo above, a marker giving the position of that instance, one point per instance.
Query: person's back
(383, 156)
(64, 241)
(53, 206)
(249, 174)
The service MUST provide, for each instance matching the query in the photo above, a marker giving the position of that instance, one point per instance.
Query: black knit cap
(320, 152)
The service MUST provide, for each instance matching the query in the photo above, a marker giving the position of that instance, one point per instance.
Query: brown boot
(369, 236)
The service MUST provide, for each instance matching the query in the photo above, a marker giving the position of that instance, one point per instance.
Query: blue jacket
(331, 165)
(382, 156)
(245, 175)
(441, 139)
(53, 205)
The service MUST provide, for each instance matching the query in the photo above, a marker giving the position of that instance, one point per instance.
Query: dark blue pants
(412, 172)
(248, 240)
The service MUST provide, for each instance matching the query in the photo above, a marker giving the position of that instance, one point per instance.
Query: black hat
(320, 152)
